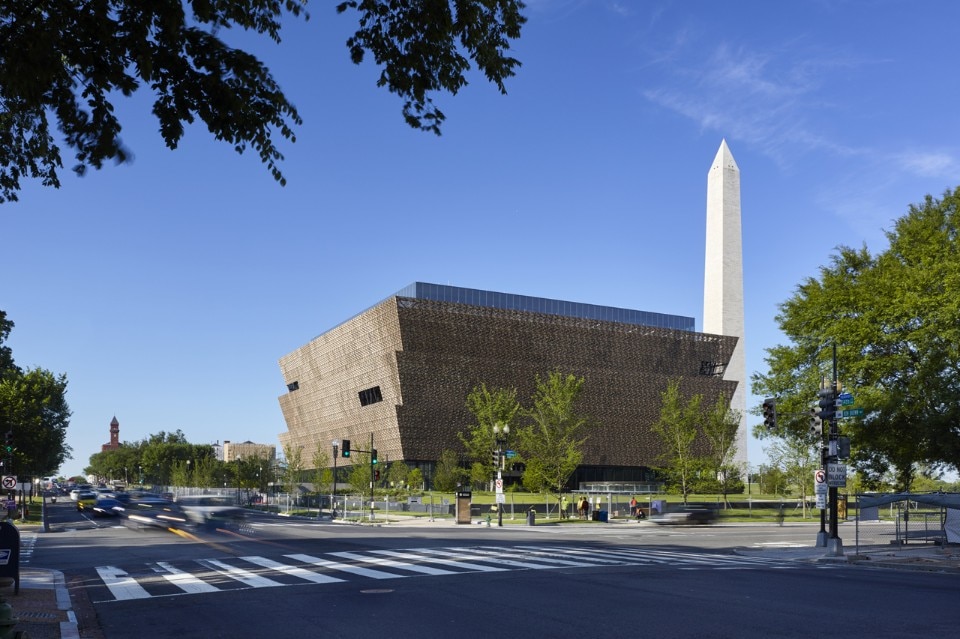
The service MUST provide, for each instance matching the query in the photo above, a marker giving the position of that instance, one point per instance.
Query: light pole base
(822, 539)
(834, 547)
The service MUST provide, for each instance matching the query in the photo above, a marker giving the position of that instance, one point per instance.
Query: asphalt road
(286, 578)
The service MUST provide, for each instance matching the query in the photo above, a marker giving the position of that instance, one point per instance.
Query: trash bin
(603, 516)
(531, 517)
(595, 515)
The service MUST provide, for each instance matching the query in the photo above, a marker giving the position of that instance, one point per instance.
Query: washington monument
(723, 277)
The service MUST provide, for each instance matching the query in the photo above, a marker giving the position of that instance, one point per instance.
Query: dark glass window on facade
(370, 396)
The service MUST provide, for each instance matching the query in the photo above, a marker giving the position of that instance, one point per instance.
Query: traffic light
(376, 475)
(345, 448)
(770, 413)
(373, 456)
(828, 404)
(843, 448)
(495, 458)
(8, 446)
(816, 424)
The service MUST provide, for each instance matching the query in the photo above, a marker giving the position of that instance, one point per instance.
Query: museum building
(400, 372)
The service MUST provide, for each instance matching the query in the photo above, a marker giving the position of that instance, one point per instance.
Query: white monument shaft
(723, 277)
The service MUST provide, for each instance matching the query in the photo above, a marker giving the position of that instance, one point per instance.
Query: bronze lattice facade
(402, 371)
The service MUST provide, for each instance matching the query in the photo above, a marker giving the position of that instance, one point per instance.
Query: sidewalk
(42, 607)
(926, 557)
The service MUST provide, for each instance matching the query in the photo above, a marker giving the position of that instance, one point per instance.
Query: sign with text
(836, 475)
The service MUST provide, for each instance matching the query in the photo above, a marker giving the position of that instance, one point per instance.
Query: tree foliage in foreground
(893, 317)
(64, 64)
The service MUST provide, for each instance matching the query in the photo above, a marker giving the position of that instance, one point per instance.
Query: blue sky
(167, 289)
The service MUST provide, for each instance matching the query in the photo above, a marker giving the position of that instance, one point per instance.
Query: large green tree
(34, 410)
(893, 319)
(64, 64)
(551, 445)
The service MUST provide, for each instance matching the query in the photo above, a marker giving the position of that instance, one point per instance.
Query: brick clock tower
(114, 435)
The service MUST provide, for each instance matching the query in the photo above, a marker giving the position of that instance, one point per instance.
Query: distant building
(248, 450)
(114, 436)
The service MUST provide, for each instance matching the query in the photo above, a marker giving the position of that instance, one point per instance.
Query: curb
(68, 629)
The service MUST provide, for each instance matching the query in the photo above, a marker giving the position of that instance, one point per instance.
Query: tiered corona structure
(402, 371)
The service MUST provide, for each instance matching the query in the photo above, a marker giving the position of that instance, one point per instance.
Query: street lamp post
(333, 487)
(238, 480)
(500, 435)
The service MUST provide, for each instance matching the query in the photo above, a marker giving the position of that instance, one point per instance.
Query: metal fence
(898, 524)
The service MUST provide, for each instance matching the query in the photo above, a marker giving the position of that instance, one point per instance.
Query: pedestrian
(563, 507)
(633, 506)
(582, 507)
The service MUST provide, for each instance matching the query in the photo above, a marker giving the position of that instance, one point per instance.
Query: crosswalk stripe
(122, 585)
(499, 558)
(553, 559)
(445, 562)
(391, 563)
(336, 565)
(184, 580)
(302, 573)
(243, 576)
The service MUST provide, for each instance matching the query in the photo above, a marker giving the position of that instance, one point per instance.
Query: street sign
(845, 398)
(819, 482)
(852, 412)
(510, 454)
(846, 401)
(836, 475)
(822, 501)
(499, 485)
(501, 498)
(9, 482)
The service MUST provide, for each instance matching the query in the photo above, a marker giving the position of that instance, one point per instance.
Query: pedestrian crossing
(170, 578)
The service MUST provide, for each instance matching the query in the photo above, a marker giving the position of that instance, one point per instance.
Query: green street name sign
(852, 412)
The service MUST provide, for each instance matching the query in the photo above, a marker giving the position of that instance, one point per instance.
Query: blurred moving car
(107, 504)
(211, 511)
(85, 499)
(151, 512)
(686, 515)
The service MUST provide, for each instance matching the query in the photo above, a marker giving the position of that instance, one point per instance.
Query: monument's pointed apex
(724, 158)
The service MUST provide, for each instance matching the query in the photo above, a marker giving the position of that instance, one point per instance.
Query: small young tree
(359, 477)
(490, 407)
(397, 476)
(552, 445)
(448, 474)
(677, 428)
(322, 473)
(415, 479)
(294, 470)
(720, 428)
